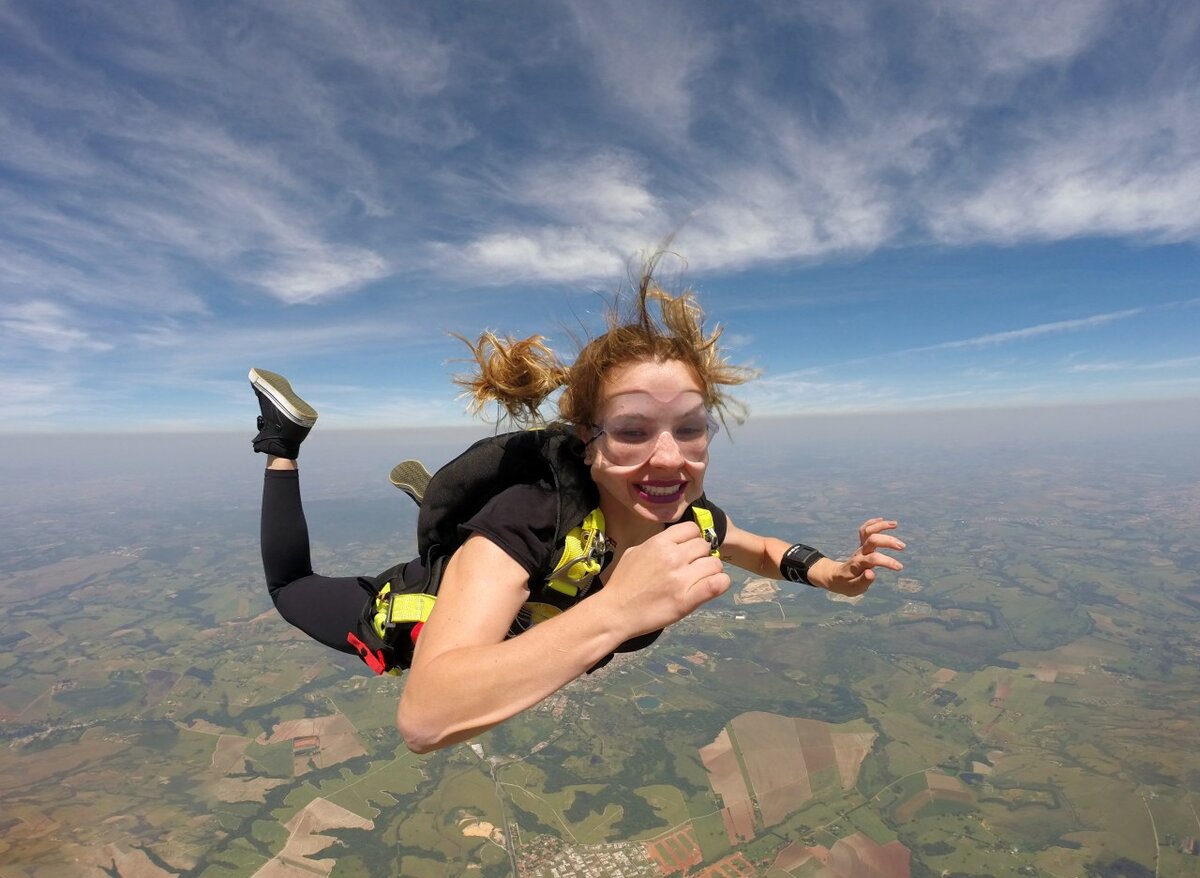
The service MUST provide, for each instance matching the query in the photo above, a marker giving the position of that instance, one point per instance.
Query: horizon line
(475, 424)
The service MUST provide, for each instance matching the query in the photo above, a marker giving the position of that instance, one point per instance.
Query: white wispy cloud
(153, 182)
(171, 350)
(594, 210)
(855, 158)
(777, 394)
(47, 325)
(1172, 363)
(545, 254)
(35, 401)
(799, 393)
(1003, 35)
(1027, 332)
(1101, 170)
(609, 187)
(229, 148)
(645, 62)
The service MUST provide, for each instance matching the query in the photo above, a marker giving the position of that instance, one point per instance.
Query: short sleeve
(521, 521)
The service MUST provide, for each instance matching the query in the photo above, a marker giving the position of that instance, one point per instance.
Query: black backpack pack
(399, 605)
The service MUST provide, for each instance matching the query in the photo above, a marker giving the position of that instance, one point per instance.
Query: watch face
(796, 562)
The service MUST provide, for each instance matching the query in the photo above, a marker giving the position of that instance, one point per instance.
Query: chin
(661, 514)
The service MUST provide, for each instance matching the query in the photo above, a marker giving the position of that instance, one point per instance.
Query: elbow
(420, 746)
(417, 740)
(419, 737)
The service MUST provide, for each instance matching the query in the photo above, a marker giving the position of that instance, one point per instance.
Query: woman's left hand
(855, 575)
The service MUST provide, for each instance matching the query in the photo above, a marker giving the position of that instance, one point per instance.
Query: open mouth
(660, 492)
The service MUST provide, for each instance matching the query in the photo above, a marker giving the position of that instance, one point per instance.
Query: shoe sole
(276, 388)
(412, 478)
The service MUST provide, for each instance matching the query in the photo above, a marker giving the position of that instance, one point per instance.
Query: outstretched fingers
(873, 539)
(873, 526)
(858, 572)
(873, 535)
(869, 560)
(878, 541)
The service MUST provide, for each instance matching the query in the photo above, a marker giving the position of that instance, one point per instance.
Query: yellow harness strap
(704, 520)
(583, 552)
(582, 556)
(396, 609)
(393, 609)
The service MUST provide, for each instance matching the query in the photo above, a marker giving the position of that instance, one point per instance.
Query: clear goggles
(638, 422)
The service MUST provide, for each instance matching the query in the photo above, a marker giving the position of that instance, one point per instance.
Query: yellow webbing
(392, 609)
(585, 546)
(704, 520)
(581, 556)
(412, 607)
(534, 613)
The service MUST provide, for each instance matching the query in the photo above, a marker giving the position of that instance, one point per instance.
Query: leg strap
(392, 619)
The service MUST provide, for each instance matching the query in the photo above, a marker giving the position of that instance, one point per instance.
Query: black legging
(325, 608)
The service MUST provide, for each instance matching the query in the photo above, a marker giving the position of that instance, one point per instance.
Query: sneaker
(285, 419)
(412, 478)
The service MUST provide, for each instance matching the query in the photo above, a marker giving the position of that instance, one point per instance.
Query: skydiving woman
(543, 552)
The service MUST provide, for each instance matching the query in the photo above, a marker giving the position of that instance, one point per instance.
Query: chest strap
(582, 557)
(708, 527)
(584, 551)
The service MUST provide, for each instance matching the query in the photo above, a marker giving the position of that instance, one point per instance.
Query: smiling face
(648, 458)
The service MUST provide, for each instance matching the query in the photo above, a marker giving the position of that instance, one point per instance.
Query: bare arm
(466, 678)
(761, 555)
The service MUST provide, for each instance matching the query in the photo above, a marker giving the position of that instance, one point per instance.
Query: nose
(666, 452)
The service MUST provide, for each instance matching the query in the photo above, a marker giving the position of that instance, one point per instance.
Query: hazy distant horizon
(1186, 406)
(219, 467)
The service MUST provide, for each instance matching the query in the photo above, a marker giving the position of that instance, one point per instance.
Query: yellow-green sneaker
(411, 477)
(285, 419)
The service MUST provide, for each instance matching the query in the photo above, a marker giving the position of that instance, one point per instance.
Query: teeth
(660, 491)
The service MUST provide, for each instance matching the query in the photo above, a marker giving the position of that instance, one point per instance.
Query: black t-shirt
(521, 521)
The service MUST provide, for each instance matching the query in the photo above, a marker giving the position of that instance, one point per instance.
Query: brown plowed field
(781, 755)
(727, 781)
(858, 857)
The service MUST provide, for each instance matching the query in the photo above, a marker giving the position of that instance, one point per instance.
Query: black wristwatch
(797, 561)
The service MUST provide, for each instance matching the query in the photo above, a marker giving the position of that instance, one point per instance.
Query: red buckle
(416, 631)
(374, 661)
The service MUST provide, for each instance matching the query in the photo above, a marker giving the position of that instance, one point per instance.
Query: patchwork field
(1021, 702)
(764, 767)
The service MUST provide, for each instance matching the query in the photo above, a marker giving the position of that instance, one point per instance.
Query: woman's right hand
(664, 579)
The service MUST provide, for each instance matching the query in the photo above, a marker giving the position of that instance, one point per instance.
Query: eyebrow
(698, 410)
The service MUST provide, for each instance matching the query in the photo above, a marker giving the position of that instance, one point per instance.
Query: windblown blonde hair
(521, 374)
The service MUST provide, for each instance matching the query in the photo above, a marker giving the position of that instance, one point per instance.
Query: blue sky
(890, 206)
